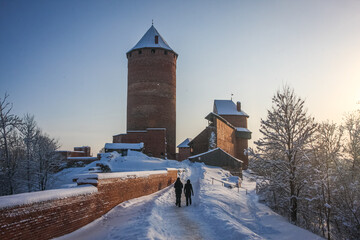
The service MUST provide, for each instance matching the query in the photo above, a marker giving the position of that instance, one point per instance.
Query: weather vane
(232, 96)
(152, 21)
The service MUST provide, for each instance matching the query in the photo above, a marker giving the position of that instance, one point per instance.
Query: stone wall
(45, 219)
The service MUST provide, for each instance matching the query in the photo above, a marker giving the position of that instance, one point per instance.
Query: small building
(227, 129)
(79, 157)
(220, 158)
(154, 140)
(123, 148)
(184, 150)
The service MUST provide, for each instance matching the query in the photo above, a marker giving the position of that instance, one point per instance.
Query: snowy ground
(217, 212)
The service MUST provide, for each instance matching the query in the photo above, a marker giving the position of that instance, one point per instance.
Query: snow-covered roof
(227, 107)
(148, 41)
(239, 129)
(212, 150)
(185, 143)
(135, 146)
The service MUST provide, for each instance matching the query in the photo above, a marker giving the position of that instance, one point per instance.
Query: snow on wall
(42, 196)
(71, 209)
(122, 175)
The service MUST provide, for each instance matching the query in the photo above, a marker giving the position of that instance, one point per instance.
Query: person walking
(178, 190)
(188, 190)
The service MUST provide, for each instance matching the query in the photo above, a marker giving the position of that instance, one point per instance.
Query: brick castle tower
(151, 100)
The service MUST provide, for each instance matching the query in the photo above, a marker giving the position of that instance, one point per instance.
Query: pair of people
(188, 191)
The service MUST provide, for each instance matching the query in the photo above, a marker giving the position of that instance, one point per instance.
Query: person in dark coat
(188, 190)
(178, 190)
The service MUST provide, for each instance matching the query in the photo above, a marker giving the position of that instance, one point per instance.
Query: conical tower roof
(148, 41)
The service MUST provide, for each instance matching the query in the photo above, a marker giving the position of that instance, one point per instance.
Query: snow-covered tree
(282, 149)
(352, 131)
(347, 194)
(325, 156)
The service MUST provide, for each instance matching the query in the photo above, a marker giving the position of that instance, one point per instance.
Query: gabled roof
(148, 40)
(185, 143)
(215, 150)
(211, 115)
(227, 107)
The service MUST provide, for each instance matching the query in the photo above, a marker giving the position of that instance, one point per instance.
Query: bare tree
(9, 159)
(47, 160)
(29, 132)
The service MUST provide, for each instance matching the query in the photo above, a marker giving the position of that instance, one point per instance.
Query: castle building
(151, 99)
(184, 150)
(227, 130)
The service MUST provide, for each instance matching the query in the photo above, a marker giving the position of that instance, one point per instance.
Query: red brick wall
(49, 219)
(200, 143)
(184, 153)
(241, 145)
(225, 136)
(236, 120)
(154, 141)
(77, 154)
(85, 149)
(151, 99)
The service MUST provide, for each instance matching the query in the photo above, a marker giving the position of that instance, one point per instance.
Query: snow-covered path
(217, 212)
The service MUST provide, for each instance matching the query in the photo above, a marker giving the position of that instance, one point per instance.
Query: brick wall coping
(121, 175)
(79, 158)
(42, 196)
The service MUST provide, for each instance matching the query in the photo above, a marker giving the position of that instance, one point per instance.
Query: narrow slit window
(156, 39)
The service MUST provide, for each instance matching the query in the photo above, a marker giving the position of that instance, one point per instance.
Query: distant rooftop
(152, 39)
(133, 146)
(185, 143)
(227, 107)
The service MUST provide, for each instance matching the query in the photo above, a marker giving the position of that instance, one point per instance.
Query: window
(152, 50)
(140, 52)
(165, 52)
(156, 39)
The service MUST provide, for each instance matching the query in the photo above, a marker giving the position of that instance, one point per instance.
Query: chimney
(238, 106)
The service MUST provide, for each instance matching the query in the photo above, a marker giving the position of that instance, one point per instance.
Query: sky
(65, 63)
